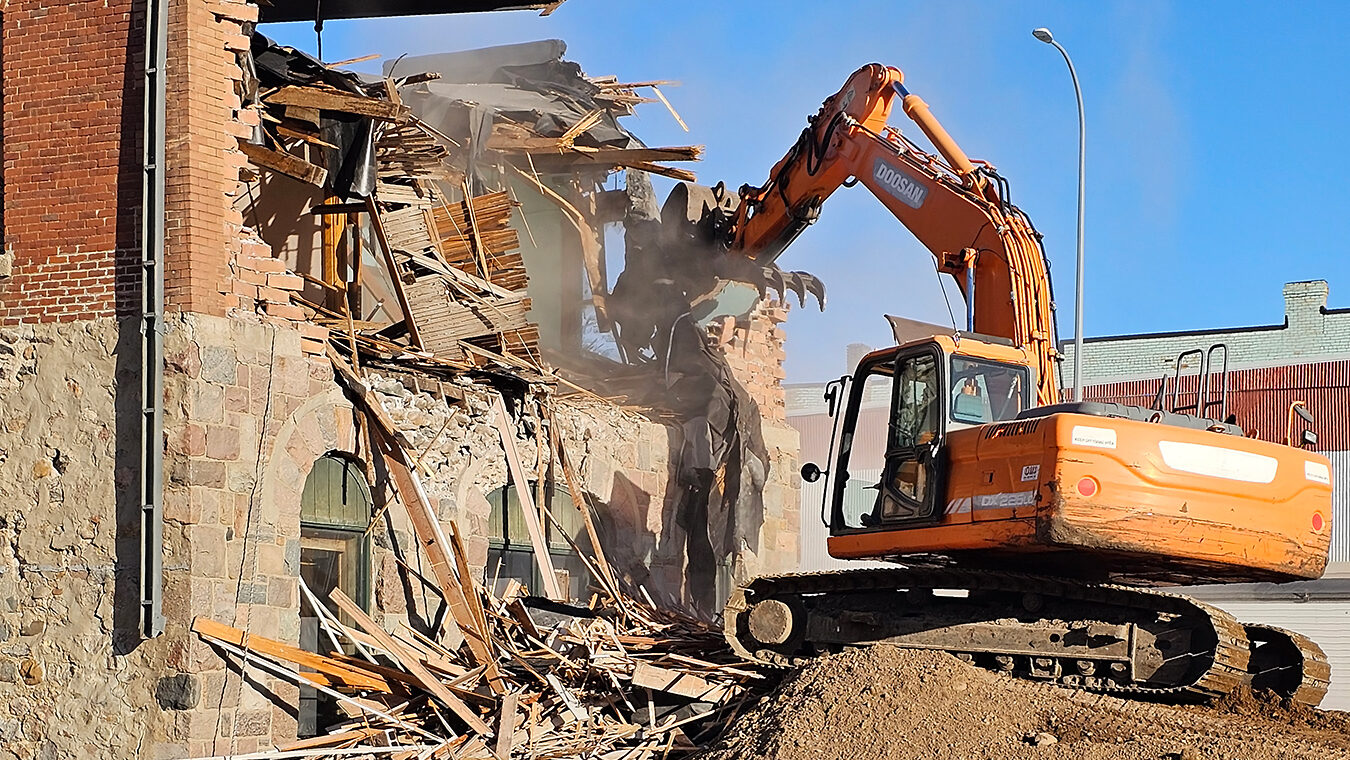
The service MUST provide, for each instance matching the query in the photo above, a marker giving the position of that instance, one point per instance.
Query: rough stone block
(222, 442)
(206, 402)
(180, 692)
(219, 364)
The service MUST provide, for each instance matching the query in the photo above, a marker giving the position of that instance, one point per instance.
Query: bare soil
(885, 703)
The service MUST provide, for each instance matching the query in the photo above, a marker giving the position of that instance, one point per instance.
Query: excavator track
(1097, 637)
(1288, 664)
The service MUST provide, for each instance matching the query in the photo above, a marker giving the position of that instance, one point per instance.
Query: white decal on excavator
(1317, 472)
(1218, 462)
(1101, 438)
(1031, 472)
(991, 501)
(896, 181)
(1005, 500)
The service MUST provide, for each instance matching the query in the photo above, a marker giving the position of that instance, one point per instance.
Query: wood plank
(335, 100)
(507, 431)
(423, 518)
(410, 662)
(284, 163)
(678, 683)
(391, 266)
(349, 675)
(331, 739)
(506, 726)
(576, 489)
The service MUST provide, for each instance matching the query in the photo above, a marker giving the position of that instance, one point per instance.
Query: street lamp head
(1043, 35)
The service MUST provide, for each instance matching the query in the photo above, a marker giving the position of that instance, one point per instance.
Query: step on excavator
(1022, 533)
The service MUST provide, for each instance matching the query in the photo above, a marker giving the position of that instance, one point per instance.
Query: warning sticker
(1031, 472)
(1101, 438)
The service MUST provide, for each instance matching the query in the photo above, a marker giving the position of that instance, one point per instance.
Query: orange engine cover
(1108, 497)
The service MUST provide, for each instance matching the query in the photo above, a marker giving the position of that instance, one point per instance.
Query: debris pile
(885, 703)
(429, 189)
(623, 680)
(504, 673)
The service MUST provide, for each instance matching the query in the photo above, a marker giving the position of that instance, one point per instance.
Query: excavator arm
(956, 207)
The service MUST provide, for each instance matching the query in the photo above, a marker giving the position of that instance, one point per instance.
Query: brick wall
(72, 105)
(1311, 331)
(204, 119)
(72, 124)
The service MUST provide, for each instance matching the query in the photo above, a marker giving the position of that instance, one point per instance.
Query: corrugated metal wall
(815, 553)
(1260, 398)
(1327, 623)
(1340, 503)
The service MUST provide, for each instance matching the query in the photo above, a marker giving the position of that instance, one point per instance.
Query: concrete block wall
(1310, 331)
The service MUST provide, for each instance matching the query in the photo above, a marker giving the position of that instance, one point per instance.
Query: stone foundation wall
(250, 405)
(75, 680)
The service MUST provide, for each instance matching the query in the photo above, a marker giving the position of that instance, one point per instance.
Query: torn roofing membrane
(352, 161)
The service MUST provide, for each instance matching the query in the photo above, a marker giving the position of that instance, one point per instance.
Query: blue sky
(1213, 150)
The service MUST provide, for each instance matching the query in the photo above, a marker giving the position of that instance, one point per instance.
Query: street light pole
(1045, 36)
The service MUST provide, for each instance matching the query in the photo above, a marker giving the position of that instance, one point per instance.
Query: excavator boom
(956, 207)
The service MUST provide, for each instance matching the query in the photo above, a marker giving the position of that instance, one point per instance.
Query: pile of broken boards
(501, 675)
(426, 186)
(531, 679)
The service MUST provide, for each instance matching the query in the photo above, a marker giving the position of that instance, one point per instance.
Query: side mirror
(810, 472)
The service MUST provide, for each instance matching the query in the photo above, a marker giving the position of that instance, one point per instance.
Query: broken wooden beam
(326, 99)
(284, 163)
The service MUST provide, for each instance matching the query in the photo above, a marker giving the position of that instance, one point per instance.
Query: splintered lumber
(392, 267)
(348, 675)
(327, 99)
(298, 678)
(407, 230)
(446, 320)
(425, 524)
(507, 432)
(284, 163)
(390, 192)
(486, 220)
(411, 663)
(576, 489)
(678, 683)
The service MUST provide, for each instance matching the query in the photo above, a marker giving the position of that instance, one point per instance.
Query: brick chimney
(1303, 305)
(854, 353)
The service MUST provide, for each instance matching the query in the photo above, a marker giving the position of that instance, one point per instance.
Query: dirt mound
(890, 704)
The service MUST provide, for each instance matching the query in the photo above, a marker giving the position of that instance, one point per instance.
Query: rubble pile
(885, 703)
(502, 673)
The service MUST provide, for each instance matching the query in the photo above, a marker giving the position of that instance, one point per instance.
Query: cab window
(984, 391)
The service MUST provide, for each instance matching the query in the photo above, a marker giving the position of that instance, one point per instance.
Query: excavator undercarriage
(1097, 637)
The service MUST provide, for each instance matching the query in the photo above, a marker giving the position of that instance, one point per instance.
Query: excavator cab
(889, 466)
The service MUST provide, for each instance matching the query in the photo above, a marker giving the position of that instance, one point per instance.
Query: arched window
(334, 515)
(511, 554)
(334, 553)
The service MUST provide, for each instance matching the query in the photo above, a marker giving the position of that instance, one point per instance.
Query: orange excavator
(1023, 534)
